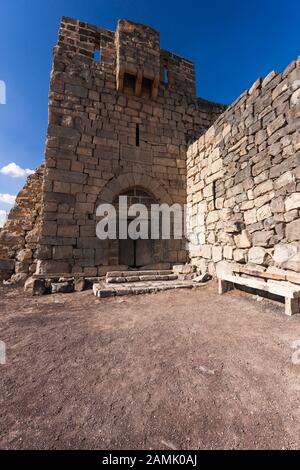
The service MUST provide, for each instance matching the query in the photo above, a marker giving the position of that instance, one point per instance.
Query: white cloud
(14, 170)
(2, 217)
(7, 198)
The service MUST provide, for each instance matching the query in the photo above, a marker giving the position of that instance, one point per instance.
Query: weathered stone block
(243, 240)
(292, 202)
(262, 238)
(62, 252)
(293, 263)
(262, 188)
(279, 122)
(293, 231)
(284, 180)
(239, 256)
(217, 252)
(48, 267)
(212, 217)
(264, 212)
(206, 251)
(183, 268)
(250, 216)
(283, 252)
(228, 252)
(68, 231)
(257, 255)
(291, 215)
(277, 205)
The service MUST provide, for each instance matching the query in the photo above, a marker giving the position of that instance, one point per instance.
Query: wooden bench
(263, 281)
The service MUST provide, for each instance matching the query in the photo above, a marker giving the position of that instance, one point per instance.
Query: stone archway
(126, 181)
(139, 189)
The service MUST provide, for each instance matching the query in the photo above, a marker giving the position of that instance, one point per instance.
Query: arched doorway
(164, 252)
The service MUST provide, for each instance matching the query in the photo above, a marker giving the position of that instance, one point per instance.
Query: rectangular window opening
(146, 87)
(129, 82)
(137, 135)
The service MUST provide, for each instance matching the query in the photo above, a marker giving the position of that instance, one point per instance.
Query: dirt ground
(176, 370)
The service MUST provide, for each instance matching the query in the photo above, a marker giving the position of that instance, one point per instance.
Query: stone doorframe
(123, 183)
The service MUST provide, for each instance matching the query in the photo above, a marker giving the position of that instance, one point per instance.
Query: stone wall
(20, 235)
(120, 123)
(243, 179)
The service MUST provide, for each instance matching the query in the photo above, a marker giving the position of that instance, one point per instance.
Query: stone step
(139, 273)
(108, 290)
(140, 277)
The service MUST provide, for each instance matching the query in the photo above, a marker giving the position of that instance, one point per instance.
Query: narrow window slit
(166, 76)
(137, 135)
(214, 193)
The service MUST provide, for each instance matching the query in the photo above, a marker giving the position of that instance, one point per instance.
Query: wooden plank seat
(288, 290)
(277, 275)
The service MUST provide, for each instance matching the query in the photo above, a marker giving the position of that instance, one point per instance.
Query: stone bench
(263, 282)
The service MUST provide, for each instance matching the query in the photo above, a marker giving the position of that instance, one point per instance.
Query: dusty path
(186, 369)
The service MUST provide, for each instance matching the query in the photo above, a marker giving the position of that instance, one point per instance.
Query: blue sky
(232, 43)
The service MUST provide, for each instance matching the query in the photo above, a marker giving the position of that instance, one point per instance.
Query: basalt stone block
(62, 287)
(7, 264)
(104, 293)
(36, 286)
(52, 267)
(82, 284)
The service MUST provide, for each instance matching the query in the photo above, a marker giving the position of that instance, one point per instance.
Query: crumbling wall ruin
(20, 235)
(243, 179)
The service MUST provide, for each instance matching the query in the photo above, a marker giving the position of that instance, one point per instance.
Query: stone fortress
(124, 119)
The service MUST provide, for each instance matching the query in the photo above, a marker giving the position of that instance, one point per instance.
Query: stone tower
(122, 112)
